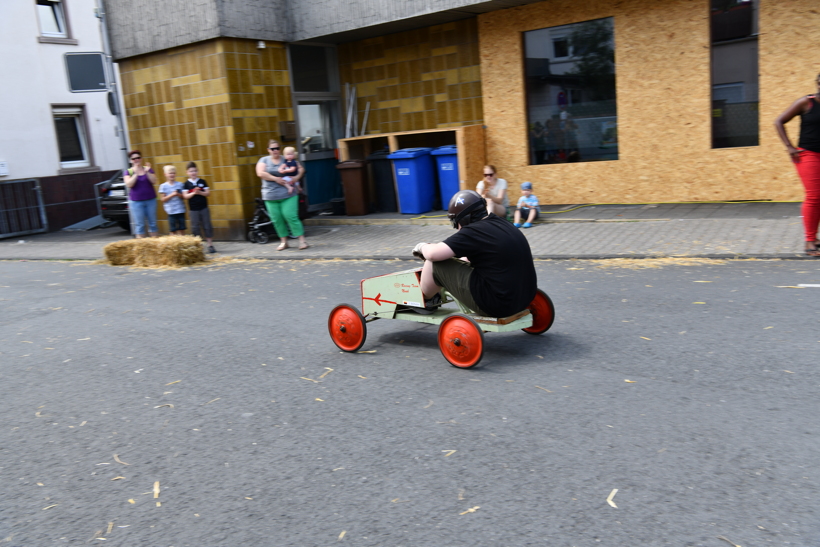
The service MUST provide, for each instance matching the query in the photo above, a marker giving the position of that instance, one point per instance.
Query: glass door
(315, 91)
(319, 127)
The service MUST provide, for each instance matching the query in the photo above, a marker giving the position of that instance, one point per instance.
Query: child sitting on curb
(527, 207)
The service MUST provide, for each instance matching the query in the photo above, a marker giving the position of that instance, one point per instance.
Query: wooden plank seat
(500, 320)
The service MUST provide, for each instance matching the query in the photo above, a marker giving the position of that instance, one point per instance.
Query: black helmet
(466, 206)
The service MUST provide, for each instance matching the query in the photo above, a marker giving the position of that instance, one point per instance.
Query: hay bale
(153, 252)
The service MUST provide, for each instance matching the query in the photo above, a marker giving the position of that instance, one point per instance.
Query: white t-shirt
(500, 184)
(174, 205)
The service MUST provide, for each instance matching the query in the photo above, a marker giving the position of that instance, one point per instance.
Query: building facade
(629, 102)
(66, 142)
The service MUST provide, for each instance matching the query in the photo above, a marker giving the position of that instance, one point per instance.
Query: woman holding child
(280, 190)
(494, 190)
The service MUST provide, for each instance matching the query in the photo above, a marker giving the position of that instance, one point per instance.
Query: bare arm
(437, 252)
(262, 173)
(500, 197)
(798, 107)
(166, 197)
(151, 176)
(129, 178)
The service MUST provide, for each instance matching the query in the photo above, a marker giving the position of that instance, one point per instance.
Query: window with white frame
(52, 18)
(71, 137)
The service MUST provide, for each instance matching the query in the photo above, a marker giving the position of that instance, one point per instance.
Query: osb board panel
(419, 79)
(664, 103)
(471, 162)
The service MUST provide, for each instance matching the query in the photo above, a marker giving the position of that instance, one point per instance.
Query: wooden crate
(469, 139)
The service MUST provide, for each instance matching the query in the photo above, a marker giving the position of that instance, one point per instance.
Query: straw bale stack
(148, 252)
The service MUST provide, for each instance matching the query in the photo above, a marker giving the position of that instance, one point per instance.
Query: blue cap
(526, 186)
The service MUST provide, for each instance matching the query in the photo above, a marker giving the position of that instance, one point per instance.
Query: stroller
(261, 227)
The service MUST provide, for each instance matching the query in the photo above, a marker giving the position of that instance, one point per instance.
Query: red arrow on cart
(378, 300)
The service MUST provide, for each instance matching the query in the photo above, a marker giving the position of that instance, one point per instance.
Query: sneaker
(211, 249)
(517, 224)
(429, 305)
(527, 225)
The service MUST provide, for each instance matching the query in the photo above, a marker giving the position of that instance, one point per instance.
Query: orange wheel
(461, 341)
(543, 313)
(347, 327)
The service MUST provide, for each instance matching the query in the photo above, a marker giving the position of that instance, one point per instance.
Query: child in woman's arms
(289, 168)
(527, 207)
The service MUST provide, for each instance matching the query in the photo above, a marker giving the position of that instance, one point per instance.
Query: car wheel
(124, 224)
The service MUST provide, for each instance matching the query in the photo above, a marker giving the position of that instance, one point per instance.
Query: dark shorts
(454, 275)
(525, 213)
(176, 222)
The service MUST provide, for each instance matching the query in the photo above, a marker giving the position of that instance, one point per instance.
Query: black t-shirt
(503, 280)
(196, 203)
(810, 127)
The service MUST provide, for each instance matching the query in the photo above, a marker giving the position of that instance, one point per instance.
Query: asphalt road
(692, 390)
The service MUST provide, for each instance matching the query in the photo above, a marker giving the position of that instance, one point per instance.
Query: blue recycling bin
(415, 179)
(447, 162)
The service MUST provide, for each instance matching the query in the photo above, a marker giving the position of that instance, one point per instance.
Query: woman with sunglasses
(142, 199)
(282, 207)
(494, 190)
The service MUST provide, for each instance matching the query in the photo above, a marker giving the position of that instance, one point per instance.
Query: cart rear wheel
(461, 341)
(347, 327)
(252, 236)
(543, 313)
(262, 237)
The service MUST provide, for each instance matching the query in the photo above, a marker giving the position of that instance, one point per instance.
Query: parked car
(114, 202)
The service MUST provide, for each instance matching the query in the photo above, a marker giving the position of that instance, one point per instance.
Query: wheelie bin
(382, 177)
(447, 163)
(415, 179)
(354, 181)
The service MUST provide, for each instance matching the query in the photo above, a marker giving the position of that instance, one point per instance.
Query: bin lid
(351, 164)
(408, 153)
(379, 155)
(450, 149)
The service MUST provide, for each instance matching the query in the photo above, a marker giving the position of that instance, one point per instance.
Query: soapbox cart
(460, 331)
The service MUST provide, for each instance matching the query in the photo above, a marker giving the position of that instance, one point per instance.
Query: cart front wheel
(461, 341)
(262, 237)
(252, 236)
(543, 313)
(347, 327)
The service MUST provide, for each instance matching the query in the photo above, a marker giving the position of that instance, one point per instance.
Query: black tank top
(810, 128)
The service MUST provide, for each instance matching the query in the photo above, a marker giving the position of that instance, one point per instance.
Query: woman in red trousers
(806, 158)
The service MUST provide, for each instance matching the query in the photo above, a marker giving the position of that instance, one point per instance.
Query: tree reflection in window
(571, 107)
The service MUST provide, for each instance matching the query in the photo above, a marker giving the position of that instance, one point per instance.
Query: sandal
(815, 252)
(282, 247)
(303, 247)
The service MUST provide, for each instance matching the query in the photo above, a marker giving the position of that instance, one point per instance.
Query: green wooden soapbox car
(460, 331)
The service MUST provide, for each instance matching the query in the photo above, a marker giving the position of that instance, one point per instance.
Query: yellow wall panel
(397, 74)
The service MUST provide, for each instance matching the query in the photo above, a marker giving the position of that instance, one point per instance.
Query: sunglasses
(137, 158)
(273, 148)
(489, 174)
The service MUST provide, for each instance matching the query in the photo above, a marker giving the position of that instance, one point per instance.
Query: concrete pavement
(720, 230)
